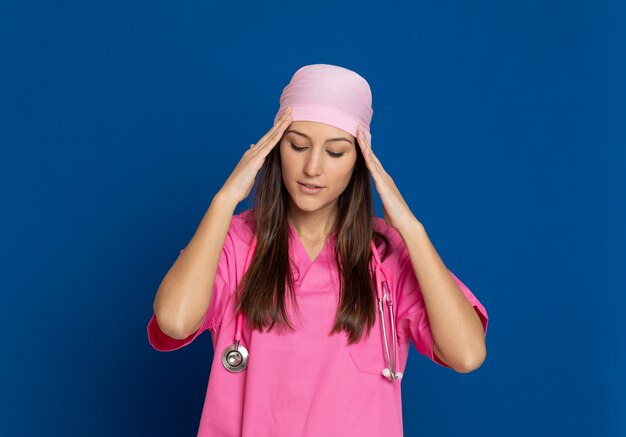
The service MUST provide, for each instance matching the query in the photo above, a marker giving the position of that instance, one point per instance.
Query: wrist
(411, 227)
(224, 197)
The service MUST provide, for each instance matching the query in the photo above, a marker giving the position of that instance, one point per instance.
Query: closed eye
(302, 149)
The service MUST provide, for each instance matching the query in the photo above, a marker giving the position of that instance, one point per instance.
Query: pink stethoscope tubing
(235, 357)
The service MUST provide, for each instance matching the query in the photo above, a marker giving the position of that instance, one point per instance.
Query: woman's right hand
(241, 180)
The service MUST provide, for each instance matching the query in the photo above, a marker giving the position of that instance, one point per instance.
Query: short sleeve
(224, 277)
(412, 316)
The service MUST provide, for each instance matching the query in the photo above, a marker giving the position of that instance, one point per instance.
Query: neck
(312, 225)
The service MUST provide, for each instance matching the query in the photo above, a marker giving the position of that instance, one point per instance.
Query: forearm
(457, 329)
(185, 292)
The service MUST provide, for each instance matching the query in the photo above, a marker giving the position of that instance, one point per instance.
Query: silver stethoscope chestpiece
(235, 358)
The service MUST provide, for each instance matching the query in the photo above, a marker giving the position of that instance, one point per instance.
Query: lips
(309, 185)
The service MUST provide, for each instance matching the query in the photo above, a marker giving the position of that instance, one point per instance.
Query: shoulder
(381, 226)
(242, 227)
(396, 242)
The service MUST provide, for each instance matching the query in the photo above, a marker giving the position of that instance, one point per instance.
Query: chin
(305, 202)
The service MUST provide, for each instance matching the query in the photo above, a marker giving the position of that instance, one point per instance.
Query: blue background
(502, 124)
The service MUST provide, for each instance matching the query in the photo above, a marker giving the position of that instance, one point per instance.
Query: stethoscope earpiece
(387, 374)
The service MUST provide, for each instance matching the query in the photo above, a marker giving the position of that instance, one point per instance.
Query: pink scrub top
(307, 383)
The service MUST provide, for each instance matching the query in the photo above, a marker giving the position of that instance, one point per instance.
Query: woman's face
(318, 154)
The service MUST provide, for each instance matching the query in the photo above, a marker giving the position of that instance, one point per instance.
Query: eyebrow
(327, 141)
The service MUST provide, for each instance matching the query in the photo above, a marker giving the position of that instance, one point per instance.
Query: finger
(277, 126)
(270, 142)
(277, 133)
(365, 149)
(375, 162)
(375, 167)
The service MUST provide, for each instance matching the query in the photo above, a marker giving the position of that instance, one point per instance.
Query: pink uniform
(307, 383)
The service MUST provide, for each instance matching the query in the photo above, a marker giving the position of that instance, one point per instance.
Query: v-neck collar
(303, 252)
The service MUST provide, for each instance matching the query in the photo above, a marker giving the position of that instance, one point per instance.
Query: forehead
(319, 131)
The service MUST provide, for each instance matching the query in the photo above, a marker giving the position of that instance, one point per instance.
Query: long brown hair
(261, 294)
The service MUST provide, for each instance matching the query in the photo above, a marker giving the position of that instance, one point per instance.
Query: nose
(313, 165)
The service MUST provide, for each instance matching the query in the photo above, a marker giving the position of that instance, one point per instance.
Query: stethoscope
(235, 357)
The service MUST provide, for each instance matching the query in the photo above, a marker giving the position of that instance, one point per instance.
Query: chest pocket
(369, 355)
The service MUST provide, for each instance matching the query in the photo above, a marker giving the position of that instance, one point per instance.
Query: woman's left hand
(396, 212)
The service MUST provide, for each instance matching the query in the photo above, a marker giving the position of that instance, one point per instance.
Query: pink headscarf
(329, 94)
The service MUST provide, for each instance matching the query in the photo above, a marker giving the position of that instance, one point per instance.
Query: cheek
(342, 175)
(289, 166)
(285, 162)
(347, 168)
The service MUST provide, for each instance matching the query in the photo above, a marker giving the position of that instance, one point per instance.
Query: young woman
(311, 301)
